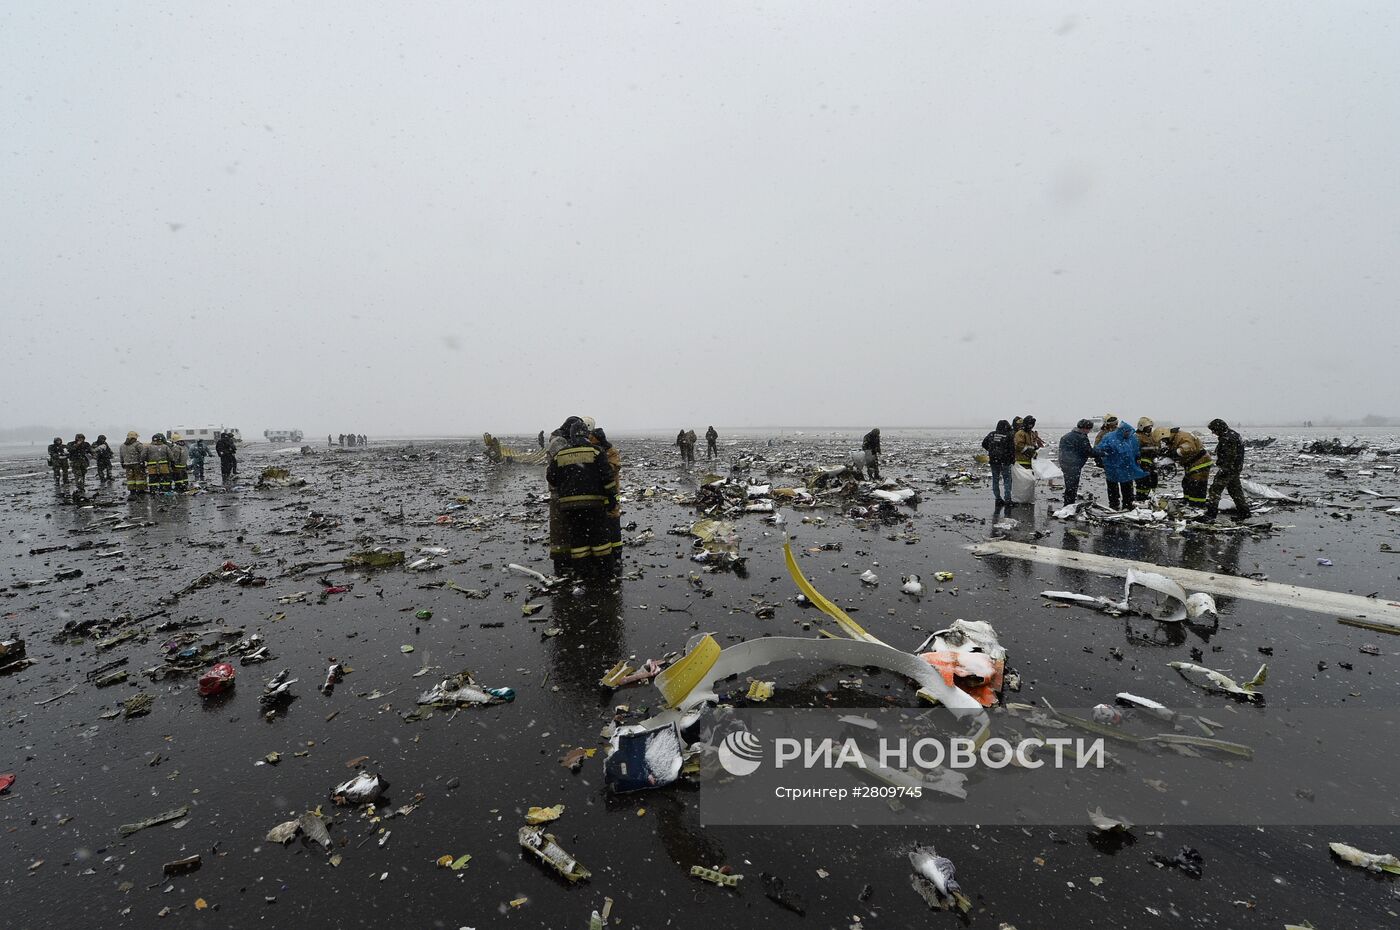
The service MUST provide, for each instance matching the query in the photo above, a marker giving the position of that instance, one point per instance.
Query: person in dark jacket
(581, 477)
(1075, 450)
(227, 450)
(1229, 464)
(871, 444)
(58, 460)
(1119, 454)
(1001, 452)
(102, 454)
(711, 441)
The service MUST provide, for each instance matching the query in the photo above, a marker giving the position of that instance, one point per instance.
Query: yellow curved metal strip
(850, 627)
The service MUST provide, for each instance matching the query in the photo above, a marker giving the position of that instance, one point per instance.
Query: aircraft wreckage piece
(649, 754)
(1381, 613)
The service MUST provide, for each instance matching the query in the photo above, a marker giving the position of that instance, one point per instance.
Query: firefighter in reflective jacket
(1186, 449)
(1027, 441)
(132, 456)
(159, 474)
(1150, 439)
(582, 480)
(179, 462)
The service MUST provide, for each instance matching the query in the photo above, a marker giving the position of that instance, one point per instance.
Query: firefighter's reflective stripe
(1195, 483)
(579, 455)
(575, 501)
(588, 552)
(1199, 466)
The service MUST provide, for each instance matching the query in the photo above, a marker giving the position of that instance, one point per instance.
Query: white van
(282, 435)
(210, 434)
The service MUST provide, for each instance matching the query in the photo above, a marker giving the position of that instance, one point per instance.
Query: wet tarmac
(473, 774)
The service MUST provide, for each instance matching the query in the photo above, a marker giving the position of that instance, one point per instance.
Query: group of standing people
(1013, 442)
(585, 519)
(166, 464)
(686, 439)
(77, 457)
(1130, 457)
(349, 439)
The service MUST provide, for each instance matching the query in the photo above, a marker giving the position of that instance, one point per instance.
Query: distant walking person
(1229, 464)
(870, 444)
(540, 437)
(132, 456)
(711, 443)
(102, 454)
(1119, 453)
(79, 457)
(1075, 451)
(690, 439)
(58, 460)
(227, 451)
(1000, 444)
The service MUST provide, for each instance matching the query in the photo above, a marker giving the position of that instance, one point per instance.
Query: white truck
(210, 434)
(282, 435)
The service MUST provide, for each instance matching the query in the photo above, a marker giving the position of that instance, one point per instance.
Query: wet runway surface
(469, 777)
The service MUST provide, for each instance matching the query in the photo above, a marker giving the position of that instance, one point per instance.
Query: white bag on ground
(1045, 469)
(1022, 485)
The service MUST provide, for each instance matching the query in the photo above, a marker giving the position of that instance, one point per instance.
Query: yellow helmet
(176, 437)
(132, 435)
(1144, 423)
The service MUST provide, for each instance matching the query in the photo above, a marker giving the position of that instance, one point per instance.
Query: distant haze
(440, 218)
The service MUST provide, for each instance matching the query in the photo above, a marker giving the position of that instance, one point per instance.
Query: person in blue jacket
(1119, 451)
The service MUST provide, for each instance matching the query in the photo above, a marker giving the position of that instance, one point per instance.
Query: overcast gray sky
(448, 217)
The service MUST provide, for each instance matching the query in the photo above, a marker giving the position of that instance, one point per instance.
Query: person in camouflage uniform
(58, 460)
(1229, 463)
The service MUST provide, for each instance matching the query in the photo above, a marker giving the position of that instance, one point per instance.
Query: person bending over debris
(579, 474)
(1000, 444)
(1119, 452)
(1229, 463)
(871, 444)
(1186, 450)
